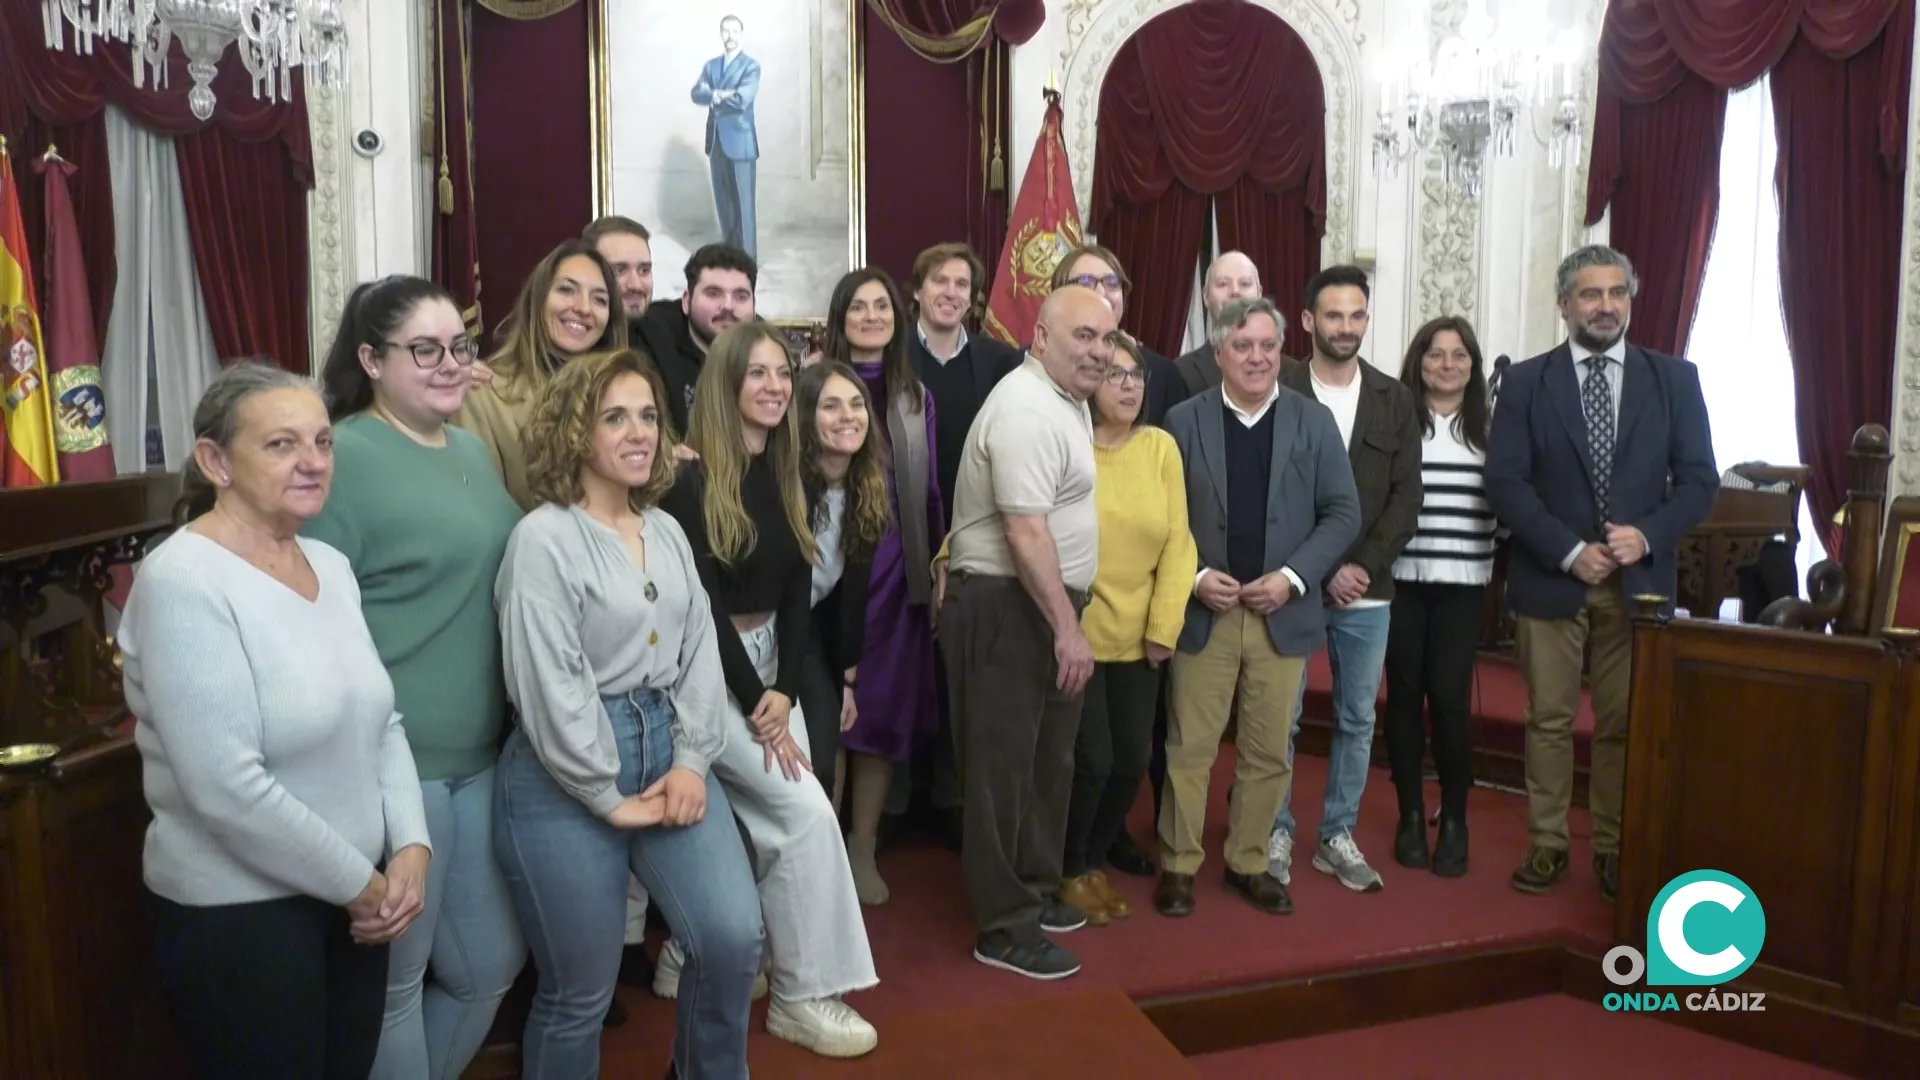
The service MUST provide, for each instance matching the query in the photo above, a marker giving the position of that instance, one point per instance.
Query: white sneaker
(826, 1026)
(1340, 856)
(1280, 856)
(666, 973)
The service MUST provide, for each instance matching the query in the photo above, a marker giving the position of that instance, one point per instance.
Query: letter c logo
(1673, 934)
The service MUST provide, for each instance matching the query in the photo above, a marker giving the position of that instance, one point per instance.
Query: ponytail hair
(217, 419)
(373, 313)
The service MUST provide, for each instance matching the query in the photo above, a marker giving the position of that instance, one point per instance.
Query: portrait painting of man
(735, 125)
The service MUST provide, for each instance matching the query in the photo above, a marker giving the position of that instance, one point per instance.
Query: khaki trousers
(1239, 655)
(1551, 651)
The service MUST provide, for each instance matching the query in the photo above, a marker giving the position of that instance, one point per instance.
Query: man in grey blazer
(1272, 506)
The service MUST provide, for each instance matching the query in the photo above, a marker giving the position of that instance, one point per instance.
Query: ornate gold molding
(526, 10)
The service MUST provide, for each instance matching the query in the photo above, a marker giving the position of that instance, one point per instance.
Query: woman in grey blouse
(276, 768)
(612, 664)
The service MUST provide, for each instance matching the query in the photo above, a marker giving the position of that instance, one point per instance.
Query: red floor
(1552, 1036)
(922, 941)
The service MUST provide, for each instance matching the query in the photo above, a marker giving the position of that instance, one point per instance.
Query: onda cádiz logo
(1704, 929)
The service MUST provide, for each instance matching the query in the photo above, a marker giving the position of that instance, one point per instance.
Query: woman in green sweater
(1139, 603)
(419, 509)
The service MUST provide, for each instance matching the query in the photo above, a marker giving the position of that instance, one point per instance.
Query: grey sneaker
(1340, 856)
(1280, 857)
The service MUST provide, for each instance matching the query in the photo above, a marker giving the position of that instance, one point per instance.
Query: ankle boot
(1410, 839)
(867, 884)
(1450, 847)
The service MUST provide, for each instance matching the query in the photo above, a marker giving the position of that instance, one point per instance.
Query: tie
(1596, 399)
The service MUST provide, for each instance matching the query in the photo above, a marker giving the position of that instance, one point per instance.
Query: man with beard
(628, 248)
(720, 284)
(1231, 277)
(1600, 461)
(1382, 435)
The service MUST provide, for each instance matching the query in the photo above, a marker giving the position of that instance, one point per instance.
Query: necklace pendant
(652, 593)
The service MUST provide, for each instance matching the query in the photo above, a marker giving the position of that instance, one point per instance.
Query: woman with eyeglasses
(1139, 603)
(421, 515)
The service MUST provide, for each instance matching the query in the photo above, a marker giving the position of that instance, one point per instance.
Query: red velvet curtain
(1200, 99)
(456, 236)
(1839, 82)
(258, 306)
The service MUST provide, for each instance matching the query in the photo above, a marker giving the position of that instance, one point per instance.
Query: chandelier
(1482, 82)
(273, 36)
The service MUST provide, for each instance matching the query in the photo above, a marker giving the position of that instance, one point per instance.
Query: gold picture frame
(800, 266)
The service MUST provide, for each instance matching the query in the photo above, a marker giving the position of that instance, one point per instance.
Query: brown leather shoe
(1116, 905)
(1263, 891)
(1542, 870)
(1173, 895)
(1081, 892)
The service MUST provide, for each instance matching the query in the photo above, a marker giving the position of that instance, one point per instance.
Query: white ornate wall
(1430, 252)
(368, 215)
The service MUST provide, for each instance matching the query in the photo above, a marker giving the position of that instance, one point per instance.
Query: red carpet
(1555, 1036)
(1499, 706)
(922, 941)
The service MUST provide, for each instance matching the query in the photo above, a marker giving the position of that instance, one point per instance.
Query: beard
(1595, 342)
(1326, 346)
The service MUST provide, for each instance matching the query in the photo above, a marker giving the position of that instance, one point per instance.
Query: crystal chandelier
(1483, 81)
(273, 36)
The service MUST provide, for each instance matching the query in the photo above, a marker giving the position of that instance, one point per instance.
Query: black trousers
(1016, 732)
(275, 989)
(1431, 641)
(1109, 758)
(820, 696)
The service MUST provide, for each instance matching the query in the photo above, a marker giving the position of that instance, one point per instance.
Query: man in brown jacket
(1375, 414)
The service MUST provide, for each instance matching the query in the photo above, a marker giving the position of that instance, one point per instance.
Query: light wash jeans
(1357, 652)
(467, 934)
(568, 871)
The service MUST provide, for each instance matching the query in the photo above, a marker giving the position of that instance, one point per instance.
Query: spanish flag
(29, 455)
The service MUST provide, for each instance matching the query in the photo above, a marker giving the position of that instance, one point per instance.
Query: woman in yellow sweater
(1147, 563)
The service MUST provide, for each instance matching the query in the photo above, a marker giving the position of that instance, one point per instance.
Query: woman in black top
(744, 510)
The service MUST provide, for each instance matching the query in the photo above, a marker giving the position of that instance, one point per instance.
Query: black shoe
(1060, 918)
(1410, 840)
(1541, 872)
(616, 1015)
(1606, 868)
(1130, 858)
(635, 969)
(1263, 891)
(1173, 895)
(1041, 960)
(1450, 848)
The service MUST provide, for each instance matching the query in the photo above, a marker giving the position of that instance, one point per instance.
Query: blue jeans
(568, 869)
(468, 934)
(1357, 651)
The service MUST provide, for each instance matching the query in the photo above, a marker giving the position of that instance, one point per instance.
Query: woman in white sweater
(1440, 584)
(288, 844)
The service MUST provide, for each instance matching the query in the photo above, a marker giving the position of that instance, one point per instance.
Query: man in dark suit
(1381, 434)
(1272, 506)
(1600, 462)
(1091, 266)
(1231, 277)
(727, 85)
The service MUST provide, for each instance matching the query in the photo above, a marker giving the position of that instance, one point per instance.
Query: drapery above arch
(947, 31)
(1647, 45)
(1205, 94)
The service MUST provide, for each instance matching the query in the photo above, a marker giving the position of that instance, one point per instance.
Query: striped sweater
(1453, 542)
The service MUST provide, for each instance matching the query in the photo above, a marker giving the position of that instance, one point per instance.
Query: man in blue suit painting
(728, 84)
(1600, 462)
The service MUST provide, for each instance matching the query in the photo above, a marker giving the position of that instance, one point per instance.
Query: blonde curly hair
(559, 432)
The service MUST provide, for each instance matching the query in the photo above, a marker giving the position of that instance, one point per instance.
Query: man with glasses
(1091, 266)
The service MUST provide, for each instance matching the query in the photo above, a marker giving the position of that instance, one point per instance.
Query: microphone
(1500, 365)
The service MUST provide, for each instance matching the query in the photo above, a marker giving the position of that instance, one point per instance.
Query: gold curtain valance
(940, 50)
(526, 10)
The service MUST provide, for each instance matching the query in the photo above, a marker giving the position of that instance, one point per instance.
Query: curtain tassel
(446, 187)
(997, 172)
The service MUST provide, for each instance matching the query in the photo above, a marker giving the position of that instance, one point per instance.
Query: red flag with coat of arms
(1045, 225)
(73, 357)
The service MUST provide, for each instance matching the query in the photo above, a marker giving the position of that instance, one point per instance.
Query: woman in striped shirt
(1440, 584)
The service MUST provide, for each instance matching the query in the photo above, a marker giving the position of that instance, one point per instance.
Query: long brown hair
(524, 356)
(1470, 423)
(559, 432)
(896, 370)
(715, 432)
(869, 514)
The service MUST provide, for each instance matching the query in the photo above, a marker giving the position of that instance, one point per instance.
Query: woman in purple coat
(867, 328)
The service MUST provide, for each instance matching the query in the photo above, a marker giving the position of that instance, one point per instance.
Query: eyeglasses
(1088, 281)
(427, 354)
(1119, 376)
